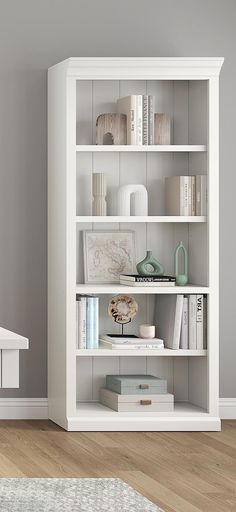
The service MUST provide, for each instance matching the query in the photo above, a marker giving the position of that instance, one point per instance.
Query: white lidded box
(135, 403)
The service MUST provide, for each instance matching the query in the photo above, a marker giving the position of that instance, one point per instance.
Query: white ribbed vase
(99, 194)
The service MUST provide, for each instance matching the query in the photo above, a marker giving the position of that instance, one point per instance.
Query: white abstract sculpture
(99, 193)
(140, 203)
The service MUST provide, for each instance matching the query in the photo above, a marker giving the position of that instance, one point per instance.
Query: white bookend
(81, 322)
(204, 322)
(201, 195)
(199, 318)
(192, 333)
(193, 203)
(127, 106)
(184, 325)
(169, 311)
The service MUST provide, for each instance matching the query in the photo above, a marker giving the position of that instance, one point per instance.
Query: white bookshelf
(78, 91)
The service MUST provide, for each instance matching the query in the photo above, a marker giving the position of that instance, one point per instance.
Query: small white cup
(147, 331)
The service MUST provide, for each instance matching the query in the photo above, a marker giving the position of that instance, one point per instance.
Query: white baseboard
(23, 408)
(37, 408)
(228, 408)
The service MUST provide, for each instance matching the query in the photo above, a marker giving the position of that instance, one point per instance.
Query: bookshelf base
(93, 416)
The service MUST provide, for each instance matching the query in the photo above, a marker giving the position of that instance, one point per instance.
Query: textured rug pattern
(71, 495)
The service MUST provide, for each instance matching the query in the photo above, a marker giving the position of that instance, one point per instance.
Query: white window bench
(10, 345)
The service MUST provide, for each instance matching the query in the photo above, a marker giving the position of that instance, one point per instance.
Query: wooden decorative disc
(122, 308)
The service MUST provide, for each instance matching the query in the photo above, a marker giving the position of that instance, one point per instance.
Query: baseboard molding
(23, 408)
(37, 408)
(228, 408)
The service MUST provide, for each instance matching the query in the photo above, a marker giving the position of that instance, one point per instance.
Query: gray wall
(35, 34)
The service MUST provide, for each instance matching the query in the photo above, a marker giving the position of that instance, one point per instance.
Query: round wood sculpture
(111, 129)
(122, 308)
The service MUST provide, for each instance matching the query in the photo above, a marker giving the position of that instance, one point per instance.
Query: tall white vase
(140, 204)
(99, 194)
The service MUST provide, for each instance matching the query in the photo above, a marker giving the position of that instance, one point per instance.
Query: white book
(127, 106)
(139, 114)
(201, 195)
(96, 321)
(184, 325)
(145, 119)
(204, 323)
(190, 195)
(177, 195)
(193, 203)
(199, 320)
(169, 311)
(151, 109)
(192, 333)
(121, 343)
(81, 322)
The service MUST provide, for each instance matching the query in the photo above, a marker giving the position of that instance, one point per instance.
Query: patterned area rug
(71, 495)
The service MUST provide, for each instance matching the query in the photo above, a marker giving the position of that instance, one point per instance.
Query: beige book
(176, 195)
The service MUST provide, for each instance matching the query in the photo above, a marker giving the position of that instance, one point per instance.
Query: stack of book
(130, 342)
(137, 280)
(136, 393)
(186, 195)
(182, 321)
(87, 321)
(139, 110)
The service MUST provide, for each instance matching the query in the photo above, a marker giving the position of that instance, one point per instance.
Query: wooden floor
(181, 472)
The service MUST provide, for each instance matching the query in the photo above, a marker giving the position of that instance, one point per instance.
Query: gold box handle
(143, 386)
(145, 402)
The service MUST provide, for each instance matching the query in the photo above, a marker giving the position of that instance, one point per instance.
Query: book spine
(139, 114)
(131, 122)
(89, 322)
(145, 119)
(150, 279)
(201, 195)
(193, 204)
(190, 199)
(192, 336)
(96, 321)
(199, 320)
(178, 320)
(205, 323)
(81, 323)
(184, 325)
(150, 120)
(183, 195)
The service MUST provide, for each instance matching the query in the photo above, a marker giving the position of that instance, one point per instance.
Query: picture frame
(107, 255)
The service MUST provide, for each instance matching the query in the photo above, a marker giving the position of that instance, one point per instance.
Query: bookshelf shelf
(153, 290)
(136, 219)
(101, 352)
(79, 90)
(172, 148)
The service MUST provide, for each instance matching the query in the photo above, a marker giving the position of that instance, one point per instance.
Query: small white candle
(147, 331)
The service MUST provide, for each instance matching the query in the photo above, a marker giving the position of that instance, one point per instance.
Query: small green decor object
(181, 279)
(158, 269)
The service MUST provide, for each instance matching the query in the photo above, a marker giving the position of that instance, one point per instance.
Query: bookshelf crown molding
(134, 68)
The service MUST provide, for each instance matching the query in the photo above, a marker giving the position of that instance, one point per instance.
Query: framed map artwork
(107, 255)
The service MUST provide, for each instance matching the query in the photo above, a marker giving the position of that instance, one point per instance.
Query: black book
(147, 279)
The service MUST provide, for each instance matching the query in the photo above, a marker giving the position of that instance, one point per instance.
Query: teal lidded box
(136, 384)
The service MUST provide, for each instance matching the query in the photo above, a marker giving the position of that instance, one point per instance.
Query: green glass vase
(181, 279)
(158, 269)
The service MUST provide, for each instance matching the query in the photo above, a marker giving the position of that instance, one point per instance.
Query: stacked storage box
(136, 393)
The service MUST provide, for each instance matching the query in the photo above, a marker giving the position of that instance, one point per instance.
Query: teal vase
(158, 269)
(181, 279)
